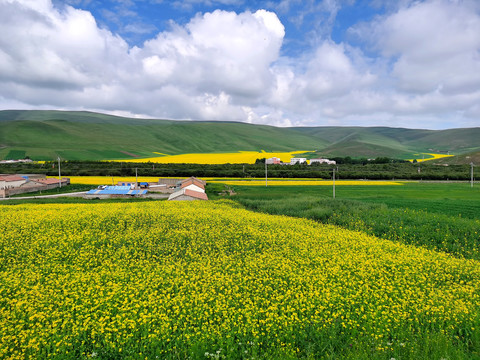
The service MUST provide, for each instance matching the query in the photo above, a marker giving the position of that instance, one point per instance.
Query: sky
(397, 63)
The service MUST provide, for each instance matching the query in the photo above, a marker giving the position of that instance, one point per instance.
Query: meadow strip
(274, 182)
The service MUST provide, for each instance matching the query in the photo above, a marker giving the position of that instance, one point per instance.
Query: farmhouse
(11, 181)
(193, 184)
(20, 184)
(189, 195)
(189, 189)
(273, 161)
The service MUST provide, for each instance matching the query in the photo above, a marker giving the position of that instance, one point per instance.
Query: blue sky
(400, 63)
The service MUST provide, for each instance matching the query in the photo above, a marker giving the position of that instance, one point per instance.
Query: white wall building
(294, 161)
(11, 181)
(322, 161)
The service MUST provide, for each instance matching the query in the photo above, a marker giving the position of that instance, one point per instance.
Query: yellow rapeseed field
(429, 156)
(241, 157)
(201, 280)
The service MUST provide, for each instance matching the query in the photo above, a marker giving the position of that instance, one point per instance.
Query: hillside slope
(45, 135)
(82, 135)
(394, 142)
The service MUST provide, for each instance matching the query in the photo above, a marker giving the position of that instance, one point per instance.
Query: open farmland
(210, 280)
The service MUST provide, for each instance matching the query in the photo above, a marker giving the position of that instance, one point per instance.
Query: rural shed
(188, 195)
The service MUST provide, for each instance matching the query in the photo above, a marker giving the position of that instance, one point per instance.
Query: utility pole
(471, 175)
(334, 183)
(59, 173)
(266, 176)
(136, 179)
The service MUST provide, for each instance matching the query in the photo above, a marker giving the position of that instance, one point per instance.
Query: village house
(20, 184)
(189, 189)
(11, 181)
(193, 184)
(273, 161)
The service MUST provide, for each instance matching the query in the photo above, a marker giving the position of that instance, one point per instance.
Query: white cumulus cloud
(417, 65)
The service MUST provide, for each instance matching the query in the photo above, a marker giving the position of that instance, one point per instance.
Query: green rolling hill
(45, 135)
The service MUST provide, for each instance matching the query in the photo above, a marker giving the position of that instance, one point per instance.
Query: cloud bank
(417, 65)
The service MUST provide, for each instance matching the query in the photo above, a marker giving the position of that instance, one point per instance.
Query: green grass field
(439, 216)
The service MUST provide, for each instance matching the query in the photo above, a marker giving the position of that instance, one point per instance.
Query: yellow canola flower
(170, 279)
(430, 156)
(241, 157)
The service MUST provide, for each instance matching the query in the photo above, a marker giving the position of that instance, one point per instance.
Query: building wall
(294, 161)
(169, 181)
(194, 188)
(12, 184)
(24, 190)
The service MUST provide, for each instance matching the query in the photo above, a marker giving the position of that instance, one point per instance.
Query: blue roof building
(117, 190)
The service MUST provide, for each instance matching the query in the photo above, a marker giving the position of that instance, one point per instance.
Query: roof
(188, 192)
(196, 194)
(11, 178)
(195, 182)
(116, 190)
(193, 179)
(50, 181)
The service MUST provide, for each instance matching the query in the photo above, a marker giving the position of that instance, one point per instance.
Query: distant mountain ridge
(80, 135)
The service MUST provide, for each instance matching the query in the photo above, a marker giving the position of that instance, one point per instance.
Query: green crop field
(15, 155)
(440, 216)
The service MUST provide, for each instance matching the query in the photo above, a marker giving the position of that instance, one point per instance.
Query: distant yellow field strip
(430, 157)
(107, 180)
(241, 157)
(305, 182)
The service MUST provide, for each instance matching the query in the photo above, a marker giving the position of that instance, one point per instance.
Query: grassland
(45, 135)
(209, 280)
(89, 136)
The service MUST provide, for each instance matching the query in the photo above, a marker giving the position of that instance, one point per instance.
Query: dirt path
(74, 194)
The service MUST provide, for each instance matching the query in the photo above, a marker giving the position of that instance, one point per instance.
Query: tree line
(346, 168)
